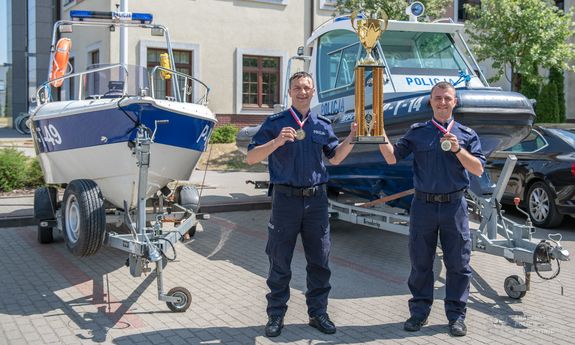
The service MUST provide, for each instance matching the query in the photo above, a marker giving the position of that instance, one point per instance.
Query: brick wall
(240, 121)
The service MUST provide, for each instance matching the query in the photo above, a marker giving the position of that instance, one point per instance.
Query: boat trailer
(147, 241)
(496, 235)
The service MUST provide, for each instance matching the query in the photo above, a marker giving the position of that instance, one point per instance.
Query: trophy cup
(369, 124)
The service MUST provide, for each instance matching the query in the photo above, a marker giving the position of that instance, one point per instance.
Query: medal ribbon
(294, 115)
(441, 128)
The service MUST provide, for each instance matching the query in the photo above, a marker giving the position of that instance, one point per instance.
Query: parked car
(544, 177)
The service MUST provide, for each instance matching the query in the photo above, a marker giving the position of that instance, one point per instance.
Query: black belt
(299, 191)
(441, 198)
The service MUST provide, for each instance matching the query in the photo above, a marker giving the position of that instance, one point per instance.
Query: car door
(529, 159)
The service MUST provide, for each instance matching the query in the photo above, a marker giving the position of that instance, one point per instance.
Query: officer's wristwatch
(456, 152)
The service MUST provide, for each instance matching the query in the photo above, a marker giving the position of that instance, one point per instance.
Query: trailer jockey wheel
(185, 299)
(515, 287)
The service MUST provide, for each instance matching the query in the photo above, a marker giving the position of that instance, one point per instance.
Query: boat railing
(188, 88)
(44, 92)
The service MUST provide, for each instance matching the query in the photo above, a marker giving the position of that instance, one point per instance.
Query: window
(533, 142)
(260, 81)
(421, 53)
(327, 4)
(183, 61)
(338, 53)
(71, 84)
(93, 61)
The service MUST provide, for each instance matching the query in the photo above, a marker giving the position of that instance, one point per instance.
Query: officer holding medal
(294, 141)
(444, 153)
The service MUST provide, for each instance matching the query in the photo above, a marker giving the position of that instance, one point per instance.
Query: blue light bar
(144, 18)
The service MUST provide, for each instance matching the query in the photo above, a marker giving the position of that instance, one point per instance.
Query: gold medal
(300, 134)
(446, 145)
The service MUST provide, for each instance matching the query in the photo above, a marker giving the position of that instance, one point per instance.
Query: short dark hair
(300, 75)
(443, 85)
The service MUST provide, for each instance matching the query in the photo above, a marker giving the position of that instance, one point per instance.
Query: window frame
(240, 53)
(192, 47)
(509, 150)
(259, 70)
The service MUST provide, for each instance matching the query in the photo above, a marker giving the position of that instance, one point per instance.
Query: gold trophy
(369, 124)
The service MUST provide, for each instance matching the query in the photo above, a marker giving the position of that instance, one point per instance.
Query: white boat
(115, 144)
(92, 136)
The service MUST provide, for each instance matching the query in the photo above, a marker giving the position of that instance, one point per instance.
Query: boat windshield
(111, 81)
(424, 53)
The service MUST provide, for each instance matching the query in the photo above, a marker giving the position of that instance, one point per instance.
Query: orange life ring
(60, 62)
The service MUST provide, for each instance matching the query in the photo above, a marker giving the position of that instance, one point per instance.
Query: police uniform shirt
(435, 170)
(298, 163)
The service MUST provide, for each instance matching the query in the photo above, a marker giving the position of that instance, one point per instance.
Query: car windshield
(568, 135)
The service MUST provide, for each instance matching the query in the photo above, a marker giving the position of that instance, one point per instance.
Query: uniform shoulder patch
(321, 117)
(466, 129)
(418, 125)
(276, 116)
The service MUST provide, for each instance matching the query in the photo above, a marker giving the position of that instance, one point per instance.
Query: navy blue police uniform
(438, 208)
(299, 205)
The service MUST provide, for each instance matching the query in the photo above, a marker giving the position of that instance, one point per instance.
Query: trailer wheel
(511, 285)
(185, 299)
(84, 217)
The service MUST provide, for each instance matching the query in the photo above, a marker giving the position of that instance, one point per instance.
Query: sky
(3, 31)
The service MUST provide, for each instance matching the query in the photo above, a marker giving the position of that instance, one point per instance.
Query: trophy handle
(352, 17)
(384, 18)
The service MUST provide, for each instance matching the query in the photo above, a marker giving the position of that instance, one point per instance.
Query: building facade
(239, 48)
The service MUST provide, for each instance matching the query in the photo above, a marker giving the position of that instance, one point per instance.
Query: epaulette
(321, 117)
(276, 116)
(417, 125)
(466, 129)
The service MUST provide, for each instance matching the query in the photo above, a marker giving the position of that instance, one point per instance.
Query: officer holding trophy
(294, 141)
(444, 152)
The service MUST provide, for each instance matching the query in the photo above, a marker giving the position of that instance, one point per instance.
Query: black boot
(274, 326)
(322, 323)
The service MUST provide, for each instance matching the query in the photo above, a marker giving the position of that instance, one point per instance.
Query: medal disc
(300, 134)
(446, 145)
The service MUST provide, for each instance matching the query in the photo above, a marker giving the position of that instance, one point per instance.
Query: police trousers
(308, 216)
(450, 221)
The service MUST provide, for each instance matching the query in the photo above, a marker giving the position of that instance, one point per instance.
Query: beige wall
(219, 31)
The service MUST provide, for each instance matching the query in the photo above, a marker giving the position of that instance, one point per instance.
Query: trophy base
(369, 140)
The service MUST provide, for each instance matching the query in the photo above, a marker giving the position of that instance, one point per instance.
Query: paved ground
(48, 296)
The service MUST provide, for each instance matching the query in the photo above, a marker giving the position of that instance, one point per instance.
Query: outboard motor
(188, 197)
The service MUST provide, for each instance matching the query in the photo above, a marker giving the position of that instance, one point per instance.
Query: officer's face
(442, 102)
(301, 91)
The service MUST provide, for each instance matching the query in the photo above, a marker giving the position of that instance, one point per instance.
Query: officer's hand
(453, 139)
(287, 134)
(353, 130)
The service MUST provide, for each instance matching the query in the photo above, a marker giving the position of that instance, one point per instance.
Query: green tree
(522, 34)
(530, 90)
(547, 108)
(395, 9)
(556, 77)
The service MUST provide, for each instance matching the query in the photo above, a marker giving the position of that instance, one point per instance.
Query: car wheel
(541, 206)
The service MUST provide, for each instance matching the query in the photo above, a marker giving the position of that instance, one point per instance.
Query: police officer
(294, 141)
(444, 151)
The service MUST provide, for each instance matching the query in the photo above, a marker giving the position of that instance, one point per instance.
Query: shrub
(18, 171)
(556, 77)
(547, 108)
(224, 134)
(13, 169)
(35, 174)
